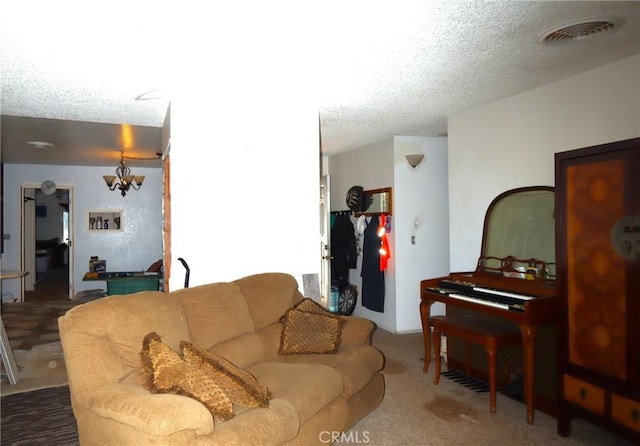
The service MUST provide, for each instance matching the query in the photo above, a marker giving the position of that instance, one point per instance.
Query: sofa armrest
(155, 414)
(356, 331)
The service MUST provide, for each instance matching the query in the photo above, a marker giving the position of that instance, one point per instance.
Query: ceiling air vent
(577, 30)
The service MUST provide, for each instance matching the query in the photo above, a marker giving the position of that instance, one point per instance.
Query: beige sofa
(314, 396)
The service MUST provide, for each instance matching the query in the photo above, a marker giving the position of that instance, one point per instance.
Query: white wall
(245, 187)
(245, 149)
(419, 193)
(136, 247)
(511, 143)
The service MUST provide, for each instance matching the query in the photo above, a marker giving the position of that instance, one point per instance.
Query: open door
(28, 240)
(59, 223)
(325, 240)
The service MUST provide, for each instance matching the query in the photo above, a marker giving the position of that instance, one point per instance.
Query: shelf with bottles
(104, 221)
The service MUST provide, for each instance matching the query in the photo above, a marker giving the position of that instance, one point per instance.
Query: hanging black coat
(343, 251)
(372, 277)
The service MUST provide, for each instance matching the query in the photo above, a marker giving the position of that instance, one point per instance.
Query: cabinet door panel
(595, 272)
(598, 282)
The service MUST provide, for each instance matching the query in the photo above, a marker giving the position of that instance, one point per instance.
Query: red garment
(385, 252)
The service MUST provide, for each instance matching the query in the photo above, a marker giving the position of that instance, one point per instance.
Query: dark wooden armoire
(598, 285)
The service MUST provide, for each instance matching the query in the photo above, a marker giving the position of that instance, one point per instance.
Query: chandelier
(125, 179)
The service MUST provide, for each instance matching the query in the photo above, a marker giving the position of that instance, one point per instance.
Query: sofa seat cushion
(356, 365)
(256, 426)
(308, 388)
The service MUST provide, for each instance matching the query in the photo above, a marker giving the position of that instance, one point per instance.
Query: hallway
(52, 285)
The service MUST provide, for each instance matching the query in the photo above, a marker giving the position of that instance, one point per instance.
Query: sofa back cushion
(243, 350)
(102, 339)
(269, 296)
(215, 313)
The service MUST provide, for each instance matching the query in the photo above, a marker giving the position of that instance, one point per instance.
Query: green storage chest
(129, 285)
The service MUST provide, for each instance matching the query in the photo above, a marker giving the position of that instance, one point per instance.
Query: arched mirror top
(520, 225)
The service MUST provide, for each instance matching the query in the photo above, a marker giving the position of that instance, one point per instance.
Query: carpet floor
(40, 417)
(35, 321)
(32, 329)
(417, 412)
(414, 412)
(29, 324)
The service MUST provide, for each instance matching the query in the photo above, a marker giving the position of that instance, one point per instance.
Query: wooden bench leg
(436, 349)
(492, 360)
(467, 349)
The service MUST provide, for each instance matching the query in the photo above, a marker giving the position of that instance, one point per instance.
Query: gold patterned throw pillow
(166, 372)
(310, 332)
(240, 385)
(310, 305)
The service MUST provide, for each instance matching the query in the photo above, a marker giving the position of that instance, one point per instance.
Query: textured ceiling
(382, 68)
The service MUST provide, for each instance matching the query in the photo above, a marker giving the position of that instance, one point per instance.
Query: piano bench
(490, 334)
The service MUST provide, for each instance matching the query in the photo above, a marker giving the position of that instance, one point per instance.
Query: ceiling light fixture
(125, 181)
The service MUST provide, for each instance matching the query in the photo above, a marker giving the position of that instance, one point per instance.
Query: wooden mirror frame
(382, 202)
(523, 251)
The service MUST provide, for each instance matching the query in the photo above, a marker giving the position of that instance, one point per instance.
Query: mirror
(520, 223)
(381, 202)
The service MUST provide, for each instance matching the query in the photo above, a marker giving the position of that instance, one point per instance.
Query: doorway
(47, 248)
(325, 240)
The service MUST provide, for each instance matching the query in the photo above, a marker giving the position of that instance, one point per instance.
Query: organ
(518, 244)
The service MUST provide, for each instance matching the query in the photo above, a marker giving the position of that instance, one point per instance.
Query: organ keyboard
(482, 295)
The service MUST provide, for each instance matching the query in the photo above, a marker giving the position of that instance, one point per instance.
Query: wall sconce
(125, 179)
(414, 159)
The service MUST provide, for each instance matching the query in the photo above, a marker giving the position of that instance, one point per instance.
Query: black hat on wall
(357, 200)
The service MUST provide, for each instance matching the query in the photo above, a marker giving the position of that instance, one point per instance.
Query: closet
(598, 285)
